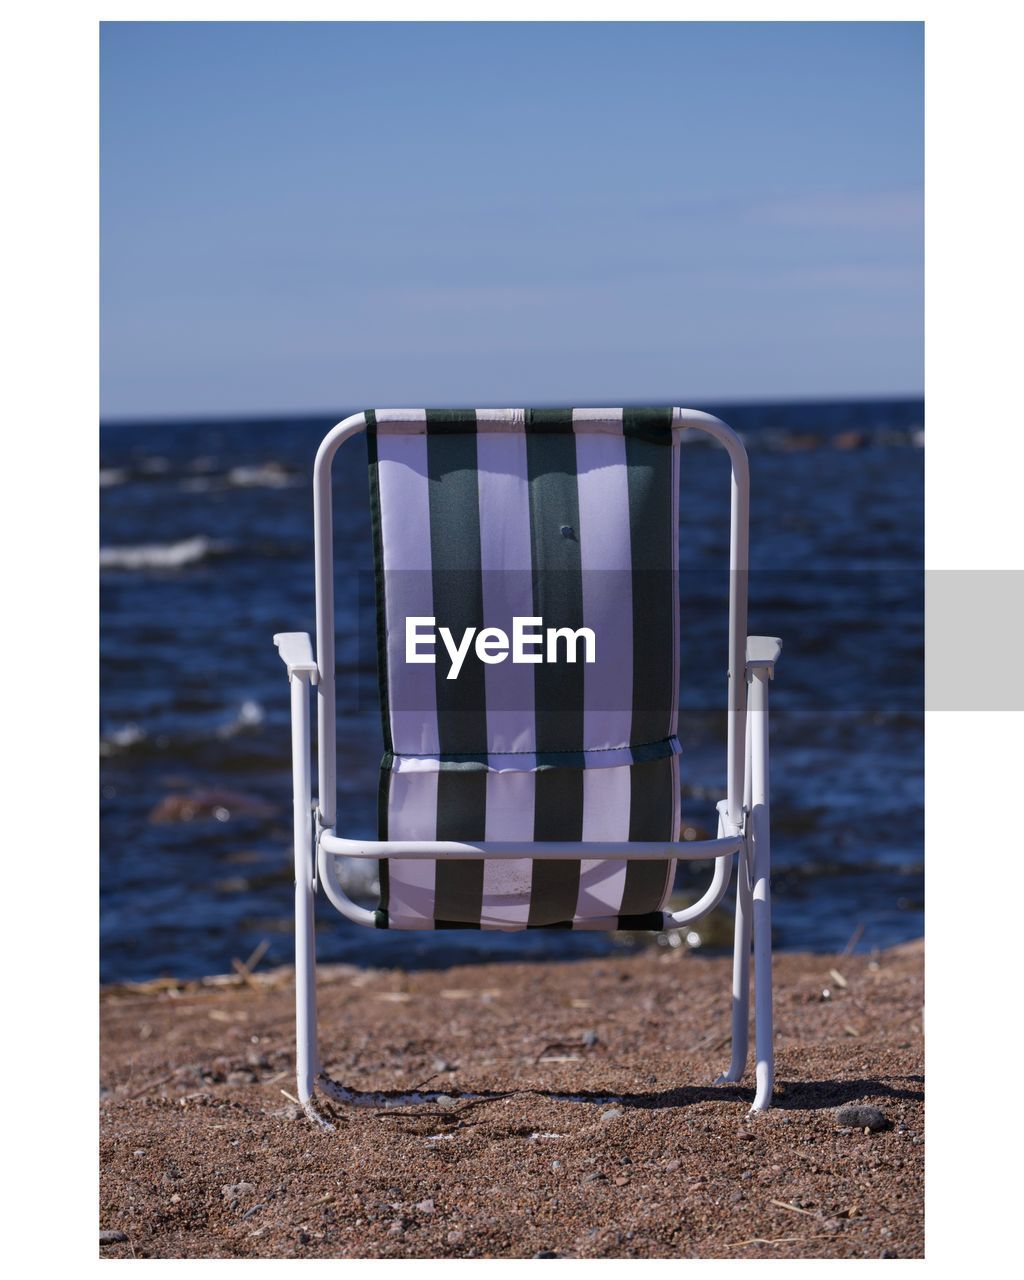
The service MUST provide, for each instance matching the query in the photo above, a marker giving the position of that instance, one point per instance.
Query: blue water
(207, 551)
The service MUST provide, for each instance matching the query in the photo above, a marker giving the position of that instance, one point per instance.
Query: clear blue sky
(316, 217)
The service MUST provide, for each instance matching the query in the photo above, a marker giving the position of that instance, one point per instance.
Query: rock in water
(856, 1116)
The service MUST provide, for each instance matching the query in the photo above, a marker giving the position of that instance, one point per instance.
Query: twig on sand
(291, 1097)
(794, 1208)
(153, 1084)
(855, 937)
(245, 970)
(738, 1244)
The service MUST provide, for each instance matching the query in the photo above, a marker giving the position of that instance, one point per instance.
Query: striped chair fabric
(570, 516)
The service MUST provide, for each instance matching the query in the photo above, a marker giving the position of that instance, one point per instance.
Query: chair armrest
(296, 650)
(763, 653)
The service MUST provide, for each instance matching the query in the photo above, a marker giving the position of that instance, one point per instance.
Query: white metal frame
(743, 816)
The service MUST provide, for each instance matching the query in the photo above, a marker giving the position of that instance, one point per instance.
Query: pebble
(455, 1237)
(441, 1064)
(555, 1165)
(237, 1189)
(546, 1253)
(249, 1213)
(113, 1237)
(445, 1101)
(589, 1039)
(596, 1176)
(424, 1206)
(672, 1166)
(613, 1113)
(861, 1117)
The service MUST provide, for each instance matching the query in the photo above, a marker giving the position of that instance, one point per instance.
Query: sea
(206, 551)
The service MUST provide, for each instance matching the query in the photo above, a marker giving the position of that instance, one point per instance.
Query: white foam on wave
(271, 475)
(110, 476)
(250, 715)
(160, 555)
(122, 739)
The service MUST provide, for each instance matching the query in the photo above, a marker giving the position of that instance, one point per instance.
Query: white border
(974, 466)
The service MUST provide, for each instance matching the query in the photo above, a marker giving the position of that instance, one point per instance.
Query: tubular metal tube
(306, 1056)
(456, 851)
(741, 949)
(710, 900)
(762, 906)
(739, 538)
(323, 550)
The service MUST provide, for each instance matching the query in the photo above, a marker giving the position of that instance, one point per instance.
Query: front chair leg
(762, 902)
(307, 1056)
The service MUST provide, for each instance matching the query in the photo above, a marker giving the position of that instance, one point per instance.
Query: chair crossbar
(592, 850)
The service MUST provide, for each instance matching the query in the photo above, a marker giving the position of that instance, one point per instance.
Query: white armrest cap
(763, 651)
(296, 650)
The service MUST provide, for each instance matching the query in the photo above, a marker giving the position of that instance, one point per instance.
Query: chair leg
(762, 903)
(740, 973)
(741, 947)
(307, 1055)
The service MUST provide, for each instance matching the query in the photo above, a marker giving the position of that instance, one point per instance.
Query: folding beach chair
(526, 567)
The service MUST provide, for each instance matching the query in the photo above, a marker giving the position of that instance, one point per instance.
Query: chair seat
(620, 802)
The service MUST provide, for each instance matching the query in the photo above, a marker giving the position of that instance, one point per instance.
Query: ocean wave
(121, 739)
(110, 476)
(250, 715)
(161, 555)
(268, 475)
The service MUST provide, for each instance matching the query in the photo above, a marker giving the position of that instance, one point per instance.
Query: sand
(596, 1131)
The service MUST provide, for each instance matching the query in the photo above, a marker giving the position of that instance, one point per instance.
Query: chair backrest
(535, 552)
(528, 654)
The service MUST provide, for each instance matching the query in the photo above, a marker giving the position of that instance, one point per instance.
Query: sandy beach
(559, 1110)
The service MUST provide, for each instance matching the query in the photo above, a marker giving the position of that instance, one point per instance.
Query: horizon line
(198, 417)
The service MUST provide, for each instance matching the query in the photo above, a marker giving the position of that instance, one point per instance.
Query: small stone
(672, 1166)
(455, 1237)
(613, 1113)
(596, 1176)
(113, 1237)
(555, 1165)
(856, 1116)
(249, 1213)
(236, 1189)
(589, 1039)
(832, 1225)
(746, 1175)
(425, 1206)
(622, 1180)
(302, 1237)
(546, 1253)
(445, 1101)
